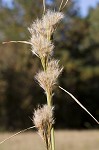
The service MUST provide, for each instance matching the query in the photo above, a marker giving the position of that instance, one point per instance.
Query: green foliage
(77, 47)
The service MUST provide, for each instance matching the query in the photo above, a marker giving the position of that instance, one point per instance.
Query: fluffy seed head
(37, 27)
(45, 25)
(41, 31)
(53, 66)
(48, 79)
(51, 18)
(43, 120)
(41, 46)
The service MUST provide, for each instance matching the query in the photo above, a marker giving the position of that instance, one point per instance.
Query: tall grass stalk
(44, 6)
(42, 46)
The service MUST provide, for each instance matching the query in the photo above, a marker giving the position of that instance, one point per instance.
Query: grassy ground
(65, 140)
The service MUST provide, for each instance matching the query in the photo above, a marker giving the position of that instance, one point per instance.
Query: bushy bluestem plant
(42, 46)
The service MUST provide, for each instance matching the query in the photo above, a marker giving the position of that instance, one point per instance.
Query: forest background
(77, 47)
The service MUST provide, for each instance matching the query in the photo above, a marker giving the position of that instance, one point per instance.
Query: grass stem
(49, 102)
(52, 139)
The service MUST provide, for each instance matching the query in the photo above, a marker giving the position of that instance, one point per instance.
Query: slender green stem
(49, 99)
(49, 102)
(43, 62)
(44, 7)
(52, 139)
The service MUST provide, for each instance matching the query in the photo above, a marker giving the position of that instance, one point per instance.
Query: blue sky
(83, 4)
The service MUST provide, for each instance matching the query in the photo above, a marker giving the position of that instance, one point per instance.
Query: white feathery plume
(37, 27)
(47, 79)
(45, 25)
(41, 46)
(51, 18)
(43, 121)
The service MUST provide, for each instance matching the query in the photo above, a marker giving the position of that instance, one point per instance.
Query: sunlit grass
(66, 140)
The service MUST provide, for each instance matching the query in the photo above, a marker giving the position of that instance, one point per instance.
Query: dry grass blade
(78, 103)
(64, 5)
(16, 134)
(25, 42)
(61, 5)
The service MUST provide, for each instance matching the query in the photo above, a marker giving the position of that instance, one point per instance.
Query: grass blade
(25, 42)
(78, 103)
(16, 134)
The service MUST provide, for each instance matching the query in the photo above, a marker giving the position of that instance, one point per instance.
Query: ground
(65, 140)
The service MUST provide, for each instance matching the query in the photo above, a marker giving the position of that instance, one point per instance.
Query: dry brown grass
(65, 140)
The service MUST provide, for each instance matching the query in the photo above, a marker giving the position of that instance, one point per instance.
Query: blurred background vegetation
(77, 47)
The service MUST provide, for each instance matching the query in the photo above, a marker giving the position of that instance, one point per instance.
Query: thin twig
(44, 6)
(16, 134)
(25, 42)
(64, 5)
(78, 103)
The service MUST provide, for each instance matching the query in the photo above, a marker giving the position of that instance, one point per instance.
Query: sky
(83, 4)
